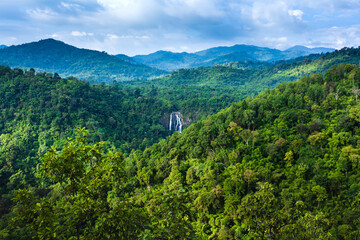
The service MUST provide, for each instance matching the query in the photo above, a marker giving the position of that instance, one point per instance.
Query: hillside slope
(282, 165)
(55, 56)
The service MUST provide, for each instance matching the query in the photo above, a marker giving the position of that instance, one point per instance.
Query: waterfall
(176, 122)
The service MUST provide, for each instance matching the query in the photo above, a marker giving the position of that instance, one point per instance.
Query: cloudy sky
(144, 26)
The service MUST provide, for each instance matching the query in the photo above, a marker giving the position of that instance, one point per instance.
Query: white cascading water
(176, 122)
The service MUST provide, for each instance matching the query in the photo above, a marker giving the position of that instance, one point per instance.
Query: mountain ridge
(169, 61)
(315, 49)
(56, 56)
(50, 55)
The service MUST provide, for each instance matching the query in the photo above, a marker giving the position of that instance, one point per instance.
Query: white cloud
(201, 8)
(143, 37)
(339, 37)
(159, 13)
(41, 14)
(265, 13)
(54, 35)
(70, 6)
(333, 5)
(142, 26)
(112, 36)
(277, 42)
(128, 11)
(81, 34)
(296, 13)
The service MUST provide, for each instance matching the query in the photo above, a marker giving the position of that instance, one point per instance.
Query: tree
(289, 158)
(320, 193)
(356, 92)
(170, 215)
(258, 211)
(352, 154)
(316, 138)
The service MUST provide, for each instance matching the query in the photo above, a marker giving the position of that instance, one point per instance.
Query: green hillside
(39, 109)
(42, 109)
(54, 56)
(283, 165)
(203, 91)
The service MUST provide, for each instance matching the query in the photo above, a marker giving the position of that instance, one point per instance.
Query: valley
(237, 150)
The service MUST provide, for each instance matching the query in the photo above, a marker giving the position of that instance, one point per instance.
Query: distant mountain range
(221, 55)
(55, 56)
(51, 55)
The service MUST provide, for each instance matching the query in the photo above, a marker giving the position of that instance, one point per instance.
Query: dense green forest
(282, 165)
(50, 55)
(41, 109)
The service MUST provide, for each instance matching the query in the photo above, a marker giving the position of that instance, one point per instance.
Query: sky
(134, 27)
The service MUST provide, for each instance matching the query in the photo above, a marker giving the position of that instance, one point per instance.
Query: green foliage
(38, 110)
(87, 198)
(282, 165)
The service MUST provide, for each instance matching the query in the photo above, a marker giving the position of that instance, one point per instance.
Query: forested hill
(55, 56)
(42, 109)
(282, 165)
(258, 76)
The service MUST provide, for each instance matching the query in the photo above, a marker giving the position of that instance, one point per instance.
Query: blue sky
(144, 26)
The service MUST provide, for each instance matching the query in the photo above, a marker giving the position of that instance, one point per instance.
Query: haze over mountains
(220, 55)
(55, 56)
